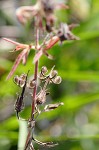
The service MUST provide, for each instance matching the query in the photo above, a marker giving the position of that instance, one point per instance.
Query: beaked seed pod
(20, 80)
(31, 84)
(57, 80)
(53, 73)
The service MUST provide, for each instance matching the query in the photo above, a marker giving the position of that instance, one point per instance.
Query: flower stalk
(42, 12)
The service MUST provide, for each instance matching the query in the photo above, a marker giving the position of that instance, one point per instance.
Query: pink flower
(49, 44)
(43, 9)
(63, 33)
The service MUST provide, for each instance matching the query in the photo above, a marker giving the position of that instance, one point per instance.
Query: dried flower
(64, 33)
(44, 9)
(41, 96)
(50, 107)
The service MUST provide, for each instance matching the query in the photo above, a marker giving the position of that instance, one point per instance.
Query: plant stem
(34, 91)
(35, 76)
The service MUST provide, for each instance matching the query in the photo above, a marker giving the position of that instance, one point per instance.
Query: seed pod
(31, 84)
(16, 79)
(23, 76)
(44, 70)
(41, 97)
(53, 73)
(19, 105)
(20, 80)
(57, 80)
(50, 107)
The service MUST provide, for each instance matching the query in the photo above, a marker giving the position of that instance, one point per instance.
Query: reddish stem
(34, 90)
(35, 76)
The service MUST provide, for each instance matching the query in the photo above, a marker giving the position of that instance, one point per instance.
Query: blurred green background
(76, 124)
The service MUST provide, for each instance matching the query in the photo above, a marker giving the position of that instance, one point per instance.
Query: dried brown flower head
(64, 33)
(41, 96)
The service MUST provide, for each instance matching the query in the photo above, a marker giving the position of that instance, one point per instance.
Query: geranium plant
(43, 14)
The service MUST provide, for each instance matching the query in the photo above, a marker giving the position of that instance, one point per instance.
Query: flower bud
(57, 80)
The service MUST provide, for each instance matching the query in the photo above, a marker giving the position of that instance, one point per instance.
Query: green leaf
(91, 76)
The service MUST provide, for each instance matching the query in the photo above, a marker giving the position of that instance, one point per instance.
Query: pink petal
(23, 11)
(24, 59)
(51, 43)
(61, 6)
(17, 61)
(37, 56)
(11, 41)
